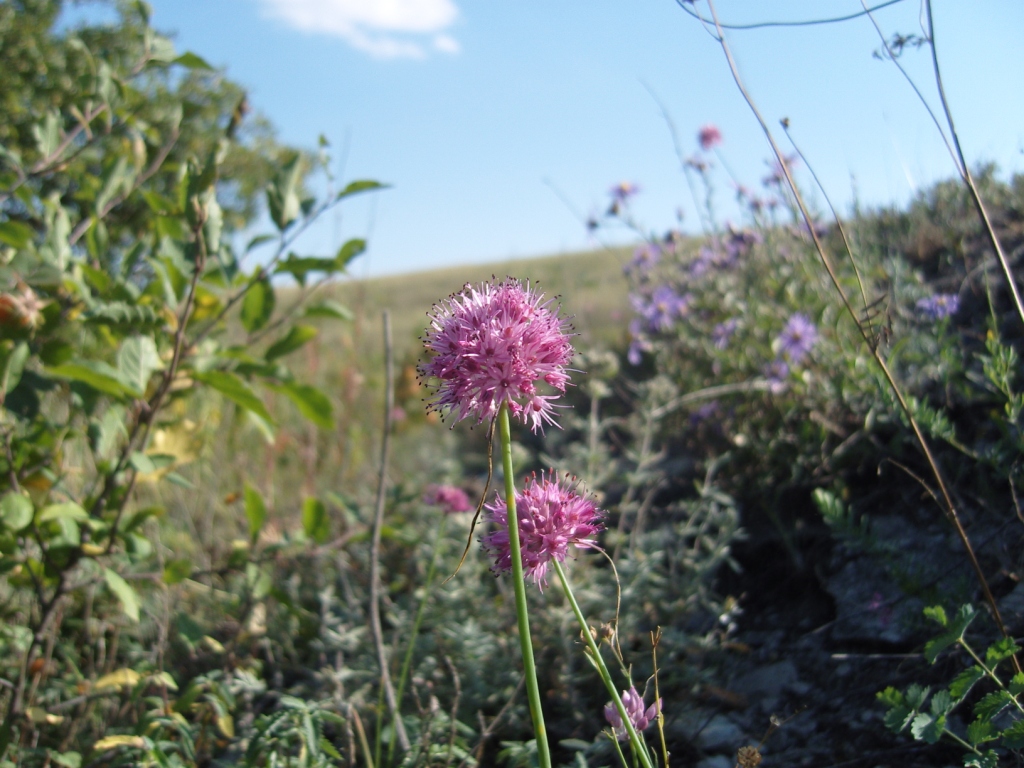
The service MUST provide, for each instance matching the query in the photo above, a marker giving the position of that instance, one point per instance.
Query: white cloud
(385, 29)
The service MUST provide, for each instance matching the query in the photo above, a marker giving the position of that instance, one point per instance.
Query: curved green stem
(519, 585)
(639, 748)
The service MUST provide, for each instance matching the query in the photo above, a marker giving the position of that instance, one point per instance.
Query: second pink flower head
(551, 516)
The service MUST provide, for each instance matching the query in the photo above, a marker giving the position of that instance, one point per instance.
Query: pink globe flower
(638, 716)
(551, 516)
(709, 137)
(447, 497)
(492, 344)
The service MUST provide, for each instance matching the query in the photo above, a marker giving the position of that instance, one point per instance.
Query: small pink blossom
(447, 497)
(551, 516)
(490, 345)
(638, 716)
(709, 137)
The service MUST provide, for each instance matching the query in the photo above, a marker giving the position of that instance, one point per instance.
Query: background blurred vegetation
(192, 424)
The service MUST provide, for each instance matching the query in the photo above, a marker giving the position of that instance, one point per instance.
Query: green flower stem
(639, 748)
(403, 676)
(519, 585)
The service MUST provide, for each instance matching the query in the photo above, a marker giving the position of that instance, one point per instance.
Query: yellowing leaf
(112, 742)
(39, 715)
(226, 725)
(165, 679)
(121, 678)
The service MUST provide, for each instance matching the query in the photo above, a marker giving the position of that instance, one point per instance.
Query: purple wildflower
(777, 176)
(644, 258)
(448, 498)
(798, 337)
(697, 163)
(722, 333)
(704, 413)
(739, 243)
(939, 306)
(551, 516)
(776, 373)
(638, 343)
(664, 306)
(622, 191)
(633, 702)
(709, 137)
(706, 259)
(491, 344)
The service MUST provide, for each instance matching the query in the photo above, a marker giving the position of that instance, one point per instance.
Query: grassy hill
(589, 286)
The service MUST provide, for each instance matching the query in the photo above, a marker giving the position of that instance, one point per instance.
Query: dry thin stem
(378, 524)
(968, 178)
(947, 501)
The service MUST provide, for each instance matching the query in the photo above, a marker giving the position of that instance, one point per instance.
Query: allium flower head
(798, 337)
(939, 306)
(709, 137)
(491, 344)
(638, 716)
(551, 516)
(447, 497)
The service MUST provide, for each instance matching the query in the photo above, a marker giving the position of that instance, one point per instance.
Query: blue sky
(474, 109)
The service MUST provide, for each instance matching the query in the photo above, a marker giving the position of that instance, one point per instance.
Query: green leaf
(992, 704)
(259, 240)
(329, 308)
(16, 234)
(937, 614)
(13, 368)
(255, 511)
(311, 402)
(176, 571)
(16, 511)
(330, 749)
(300, 266)
(314, 520)
(928, 728)
(47, 134)
(66, 759)
(1016, 685)
(235, 390)
(136, 361)
(67, 510)
(1013, 736)
(282, 193)
(1003, 648)
(119, 177)
(258, 304)
(917, 695)
(942, 703)
(297, 336)
(349, 251)
(96, 374)
(963, 682)
(989, 760)
(192, 61)
(981, 731)
(361, 185)
(124, 592)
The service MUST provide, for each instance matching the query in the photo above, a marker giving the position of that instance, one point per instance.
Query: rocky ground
(828, 625)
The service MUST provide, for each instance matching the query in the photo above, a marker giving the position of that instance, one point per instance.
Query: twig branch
(378, 524)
